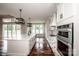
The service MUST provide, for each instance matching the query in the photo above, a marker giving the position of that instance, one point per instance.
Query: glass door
(11, 31)
(37, 28)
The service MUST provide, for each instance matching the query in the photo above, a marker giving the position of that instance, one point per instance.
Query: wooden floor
(41, 48)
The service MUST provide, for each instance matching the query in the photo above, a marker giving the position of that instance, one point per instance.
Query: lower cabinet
(20, 47)
(53, 44)
(32, 42)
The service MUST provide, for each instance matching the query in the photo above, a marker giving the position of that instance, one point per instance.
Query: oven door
(65, 36)
(62, 48)
(62, 35)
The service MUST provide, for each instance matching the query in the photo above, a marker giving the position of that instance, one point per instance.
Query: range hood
(20, 20)
(53, 21)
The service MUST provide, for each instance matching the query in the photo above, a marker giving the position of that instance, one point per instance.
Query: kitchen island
(20, 47)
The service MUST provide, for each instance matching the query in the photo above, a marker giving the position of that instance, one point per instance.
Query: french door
(11, 31)
(37, 28)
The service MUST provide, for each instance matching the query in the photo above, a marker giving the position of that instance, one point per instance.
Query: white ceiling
(33, 10)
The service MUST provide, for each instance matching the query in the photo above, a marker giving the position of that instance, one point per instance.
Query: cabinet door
(67, 10)
(59, 12)
(64, 11)
(53, 43)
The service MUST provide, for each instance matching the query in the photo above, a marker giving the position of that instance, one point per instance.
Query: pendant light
(29, 24)
(20, 20)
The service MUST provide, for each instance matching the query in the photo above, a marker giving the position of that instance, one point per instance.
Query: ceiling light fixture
(20, 20)
(29, 24)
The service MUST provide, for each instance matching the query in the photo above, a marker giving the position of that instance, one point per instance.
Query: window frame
(12, 25)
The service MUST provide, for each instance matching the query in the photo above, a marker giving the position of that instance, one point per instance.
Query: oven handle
(65, 30)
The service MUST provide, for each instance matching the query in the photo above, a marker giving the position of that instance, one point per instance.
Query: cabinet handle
(61, 16)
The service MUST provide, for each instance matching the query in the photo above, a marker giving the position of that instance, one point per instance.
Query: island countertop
(22, 38)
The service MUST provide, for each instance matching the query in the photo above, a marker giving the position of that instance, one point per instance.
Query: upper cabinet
(64, 11)
(59, 12)
(67, 10)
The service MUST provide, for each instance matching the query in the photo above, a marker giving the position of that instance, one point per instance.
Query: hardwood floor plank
(41, 48)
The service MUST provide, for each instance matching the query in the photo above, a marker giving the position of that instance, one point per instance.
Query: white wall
(35, 20)
(76, 30)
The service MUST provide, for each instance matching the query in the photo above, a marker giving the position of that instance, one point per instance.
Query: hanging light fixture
(20, 20)
(29, 24)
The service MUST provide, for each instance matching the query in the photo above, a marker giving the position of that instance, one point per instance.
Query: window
(41, 29)
(33, 29)
(7, 20)
(37, 28)
(11, 31)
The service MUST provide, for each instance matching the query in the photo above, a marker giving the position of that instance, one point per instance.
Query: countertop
(21, 39)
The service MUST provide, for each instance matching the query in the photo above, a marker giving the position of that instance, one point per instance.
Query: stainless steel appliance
(65, 39)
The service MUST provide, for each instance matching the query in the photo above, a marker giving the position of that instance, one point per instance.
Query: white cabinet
(31, 43)
(67, 10)
(59, 12)
(20, 47)
(53, 42)
(64, 11)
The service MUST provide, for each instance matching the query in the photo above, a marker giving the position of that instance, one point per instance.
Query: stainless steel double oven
(65, 39)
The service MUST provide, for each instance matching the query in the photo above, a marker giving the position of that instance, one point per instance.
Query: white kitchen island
(20, 47)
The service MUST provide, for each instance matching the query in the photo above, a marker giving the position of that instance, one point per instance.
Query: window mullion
(7, 31)
(35, 28)
(11, 29)
(16, 30)
(39, 28)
